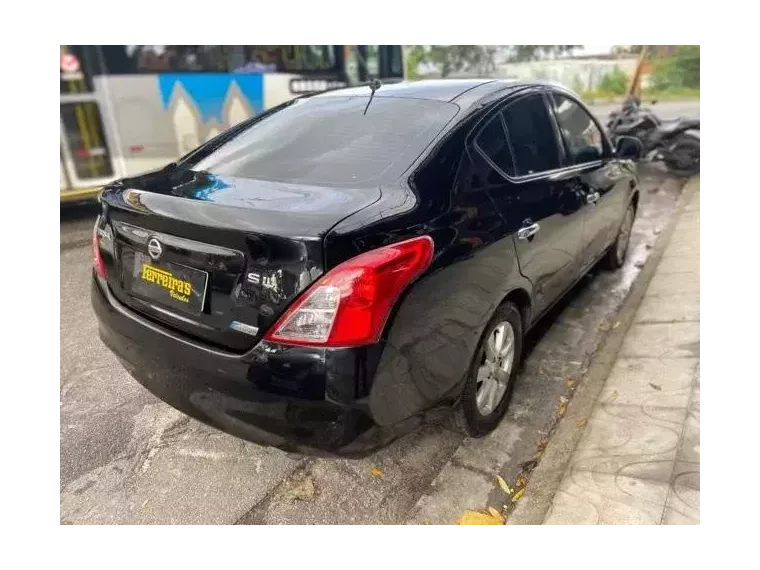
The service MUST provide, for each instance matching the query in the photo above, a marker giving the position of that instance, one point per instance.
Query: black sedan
(320, 276)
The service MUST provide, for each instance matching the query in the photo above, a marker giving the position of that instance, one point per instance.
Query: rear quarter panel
(430, 338)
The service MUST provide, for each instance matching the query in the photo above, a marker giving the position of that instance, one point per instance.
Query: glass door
(85, 155)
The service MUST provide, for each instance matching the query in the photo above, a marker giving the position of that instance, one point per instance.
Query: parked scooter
(674, 141)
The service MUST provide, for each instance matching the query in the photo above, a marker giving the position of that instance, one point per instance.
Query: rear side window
(329, 141)
(492, 141)
(582, 136)
(531, 135)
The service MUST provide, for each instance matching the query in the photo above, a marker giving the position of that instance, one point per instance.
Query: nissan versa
(319, 276)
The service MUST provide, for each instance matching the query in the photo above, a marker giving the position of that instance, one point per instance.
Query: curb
(547, 476)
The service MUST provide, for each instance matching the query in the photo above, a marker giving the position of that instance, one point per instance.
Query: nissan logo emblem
(154, 249)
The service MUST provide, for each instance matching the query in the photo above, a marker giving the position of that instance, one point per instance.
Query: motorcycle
(674, 142)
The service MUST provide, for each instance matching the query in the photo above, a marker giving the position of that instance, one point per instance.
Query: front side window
(580, 132)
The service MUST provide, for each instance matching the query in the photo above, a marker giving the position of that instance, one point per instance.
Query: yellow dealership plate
(171, 284)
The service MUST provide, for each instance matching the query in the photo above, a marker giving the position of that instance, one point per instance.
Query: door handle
(527, 231)
(592, 197)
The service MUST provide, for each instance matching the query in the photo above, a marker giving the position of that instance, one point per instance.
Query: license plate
(171, 284)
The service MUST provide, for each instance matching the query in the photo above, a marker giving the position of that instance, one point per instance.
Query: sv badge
(268, 282)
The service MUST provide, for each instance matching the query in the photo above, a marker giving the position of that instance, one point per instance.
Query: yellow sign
(178, 288)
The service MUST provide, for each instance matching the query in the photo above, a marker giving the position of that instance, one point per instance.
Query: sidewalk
(637, 461)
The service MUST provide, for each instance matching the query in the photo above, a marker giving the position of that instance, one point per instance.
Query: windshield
(328, 141)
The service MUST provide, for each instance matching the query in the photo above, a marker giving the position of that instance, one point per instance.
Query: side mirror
(587, 154)
(629, 148)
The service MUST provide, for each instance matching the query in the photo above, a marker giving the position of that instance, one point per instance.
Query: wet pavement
(126, 457)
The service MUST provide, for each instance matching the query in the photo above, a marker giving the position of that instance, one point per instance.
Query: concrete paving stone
(689, 448)
(585, 497)
(682, 505)
(686, 473)
(679, 264)
(653, 309)
(667, 416)
(455, 490)
(690, 213)
(661, 340)
(687, 231)
(650, 382)
(630, 441)
(682, 248)
(674, 284)
(695, 397)
(693, 206)
(689, 219)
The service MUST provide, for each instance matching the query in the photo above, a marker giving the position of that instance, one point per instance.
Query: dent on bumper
(302, 400)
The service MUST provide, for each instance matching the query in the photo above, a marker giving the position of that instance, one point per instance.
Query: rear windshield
(328, 141)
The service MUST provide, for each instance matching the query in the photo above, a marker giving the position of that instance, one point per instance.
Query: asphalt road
(126, 457)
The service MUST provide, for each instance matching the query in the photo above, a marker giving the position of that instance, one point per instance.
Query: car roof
(464, 92)
(434, 89)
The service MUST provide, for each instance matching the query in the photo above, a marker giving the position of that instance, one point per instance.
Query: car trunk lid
(217, 259)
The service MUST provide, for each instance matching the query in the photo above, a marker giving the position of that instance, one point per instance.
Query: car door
(541, 210)
(596, 173)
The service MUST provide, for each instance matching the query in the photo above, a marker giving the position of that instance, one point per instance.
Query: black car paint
(350, 400)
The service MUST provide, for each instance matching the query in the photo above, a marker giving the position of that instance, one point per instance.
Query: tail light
(349, 305)
(97, 257)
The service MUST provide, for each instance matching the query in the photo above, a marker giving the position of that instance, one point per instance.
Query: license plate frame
(168, 284)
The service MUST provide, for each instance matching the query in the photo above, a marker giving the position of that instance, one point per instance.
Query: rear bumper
(297, 399)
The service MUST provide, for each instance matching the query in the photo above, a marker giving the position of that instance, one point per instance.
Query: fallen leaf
(562, 408)
(655, 386)
(614, 395)
(582, 422)
(617, 324)
(503, 485)
(542, 443)
(520, 481)
(604, 326)
(529, 465)
(518, 495)
(300, 489)
(570, 381)
(477, 517)
(377, 471)
(494, 512)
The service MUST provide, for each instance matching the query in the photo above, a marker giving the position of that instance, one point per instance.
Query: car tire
(615, 256)
(483, 404)
(683, 159)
